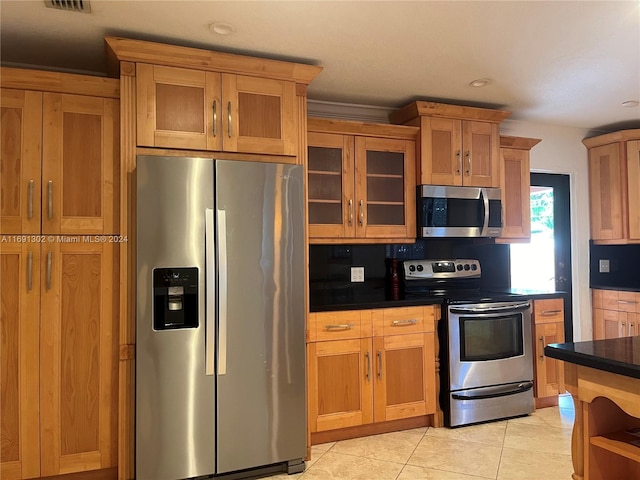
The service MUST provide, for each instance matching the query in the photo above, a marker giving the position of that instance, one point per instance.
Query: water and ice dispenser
(175, 298)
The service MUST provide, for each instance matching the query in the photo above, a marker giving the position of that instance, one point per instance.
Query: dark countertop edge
(414, 302)
(559, 351)
(620, 289)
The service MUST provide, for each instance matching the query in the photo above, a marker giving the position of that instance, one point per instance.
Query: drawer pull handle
(50, 200)
(29, 270)
(399, 323)
(368, 361)
(549, 313)
(30, 200)
(215, 118)
(627, 302)
(344, 326)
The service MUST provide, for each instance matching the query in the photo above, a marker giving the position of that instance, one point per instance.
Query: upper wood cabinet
(458, 145)
(614, 176)
(515, 185)
(60, 163)
(192, 109)
(195, 99)
(361, 182)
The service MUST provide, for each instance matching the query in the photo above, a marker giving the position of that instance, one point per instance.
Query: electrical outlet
(357, 274)
(603, 266)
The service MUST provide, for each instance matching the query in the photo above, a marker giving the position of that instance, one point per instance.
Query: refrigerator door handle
(210, 310)
(222, 292)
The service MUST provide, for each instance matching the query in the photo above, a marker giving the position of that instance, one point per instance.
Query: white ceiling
(567, 63)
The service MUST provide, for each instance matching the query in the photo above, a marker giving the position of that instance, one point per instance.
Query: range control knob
(412, 268)
(420, 268)
(467, 267)
(474, 267)
(459, 267)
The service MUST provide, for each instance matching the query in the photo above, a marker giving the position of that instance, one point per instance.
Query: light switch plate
(603, 266)
(357, 274)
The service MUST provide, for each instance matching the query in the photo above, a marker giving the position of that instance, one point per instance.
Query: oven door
(489, 344)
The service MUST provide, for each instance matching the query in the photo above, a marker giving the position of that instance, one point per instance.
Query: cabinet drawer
(399, 321)
(325, 326)
(628, 302)
(548, 310)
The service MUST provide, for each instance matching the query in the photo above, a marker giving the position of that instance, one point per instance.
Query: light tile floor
(535, 447)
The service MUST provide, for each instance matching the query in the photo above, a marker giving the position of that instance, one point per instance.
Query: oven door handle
(494, 392)
(505, 308)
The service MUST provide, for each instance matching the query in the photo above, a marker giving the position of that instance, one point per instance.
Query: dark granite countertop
(367, 297)
(615, 355)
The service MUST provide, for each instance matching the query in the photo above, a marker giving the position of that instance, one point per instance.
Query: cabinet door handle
(408, 321)
(215, 118)
(229, 117)
(549, 313)
(30, 200)
(50, 199)
(48, 279)
(344, 326)
(623, 329)
(29, 270)
(632, 329)
(368, 363)
(379, 355)
(542, 347)
(361, 213)
(350, 211)
(459, 162)
(468, 157)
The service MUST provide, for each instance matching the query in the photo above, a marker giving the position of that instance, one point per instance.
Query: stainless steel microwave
(447, 211)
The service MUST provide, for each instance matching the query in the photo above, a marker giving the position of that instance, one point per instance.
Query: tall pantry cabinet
(58, 272)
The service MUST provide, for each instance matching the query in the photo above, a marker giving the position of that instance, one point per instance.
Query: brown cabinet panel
(79, 168)
(404, 377)
(340, 384)
(615, 313)
(199, 110)
(19, 369)
(516, 194)
(549, 372)
(633, 180)
(331, 185)
(78, 358)
(605, 192)
(480, 154)
(20, 157)
(360, 187)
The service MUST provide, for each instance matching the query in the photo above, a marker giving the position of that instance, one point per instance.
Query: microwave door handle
(485, 204)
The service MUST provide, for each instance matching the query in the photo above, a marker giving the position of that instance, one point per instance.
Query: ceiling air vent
(70, 5)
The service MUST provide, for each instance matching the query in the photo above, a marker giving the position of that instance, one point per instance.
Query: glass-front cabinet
(361, 182)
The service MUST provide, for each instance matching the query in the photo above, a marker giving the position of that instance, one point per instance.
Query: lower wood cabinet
(58, 359)
(371, 366)
(615, 314)
(548, 327)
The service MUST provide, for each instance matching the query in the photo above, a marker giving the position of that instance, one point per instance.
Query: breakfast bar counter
(603, 377)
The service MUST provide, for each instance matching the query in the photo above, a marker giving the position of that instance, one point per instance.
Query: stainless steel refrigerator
(220, 337)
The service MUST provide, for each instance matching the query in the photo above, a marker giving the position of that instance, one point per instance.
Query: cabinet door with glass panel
(361, 187)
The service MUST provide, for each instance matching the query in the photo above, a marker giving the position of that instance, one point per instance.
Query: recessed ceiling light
(631, 103)
(222, 28)
(480, 82)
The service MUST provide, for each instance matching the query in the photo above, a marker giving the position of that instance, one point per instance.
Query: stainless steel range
(485, 342)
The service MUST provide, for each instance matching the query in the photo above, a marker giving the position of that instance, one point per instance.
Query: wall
(562, 151)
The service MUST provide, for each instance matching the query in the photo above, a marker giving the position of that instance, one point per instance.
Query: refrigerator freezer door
(261, 393)
(175, 421)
